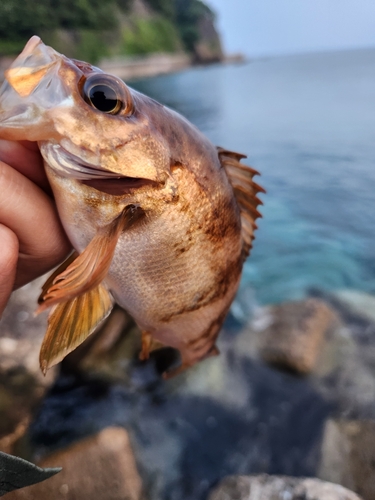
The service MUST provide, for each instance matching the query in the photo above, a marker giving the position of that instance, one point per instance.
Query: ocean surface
(307, 123)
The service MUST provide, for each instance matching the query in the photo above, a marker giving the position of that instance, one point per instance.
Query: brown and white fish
(161, 220)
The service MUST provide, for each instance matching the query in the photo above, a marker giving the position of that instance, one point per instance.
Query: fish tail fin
(71, 322)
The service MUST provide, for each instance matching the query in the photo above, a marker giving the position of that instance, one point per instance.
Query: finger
(25, 157)
(8, 264)
(31, 145)
(32, 216)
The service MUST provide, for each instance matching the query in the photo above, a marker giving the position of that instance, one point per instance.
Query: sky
(268, 27)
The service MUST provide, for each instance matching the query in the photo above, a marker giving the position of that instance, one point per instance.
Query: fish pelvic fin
(85, 272)
(47, 285)
(246, 193)
(75, 290)
(71, 322)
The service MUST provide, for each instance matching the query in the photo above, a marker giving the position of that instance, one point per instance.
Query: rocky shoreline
(291, 395)
(132, 68)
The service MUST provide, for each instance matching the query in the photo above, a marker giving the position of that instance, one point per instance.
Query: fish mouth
(95, 176)
(119, 186)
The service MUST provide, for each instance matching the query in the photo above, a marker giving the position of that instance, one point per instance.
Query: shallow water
(307, 123)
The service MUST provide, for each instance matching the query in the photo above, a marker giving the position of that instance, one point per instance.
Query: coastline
(131, 68)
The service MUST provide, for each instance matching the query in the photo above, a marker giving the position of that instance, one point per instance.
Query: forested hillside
(92, 29)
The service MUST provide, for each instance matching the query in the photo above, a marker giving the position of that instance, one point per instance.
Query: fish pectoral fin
(245, 191)
(71, 322)
(89, 268)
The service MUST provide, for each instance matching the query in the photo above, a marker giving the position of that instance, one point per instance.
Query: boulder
(265, 487)
(100, 467)
(348, 455)
(294, 337)
(22, 385)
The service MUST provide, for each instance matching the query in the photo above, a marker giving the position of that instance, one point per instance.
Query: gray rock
(348, 455)
(100, 467)
(22, 385)
(265, 487)
(294, 338)
(359, 302)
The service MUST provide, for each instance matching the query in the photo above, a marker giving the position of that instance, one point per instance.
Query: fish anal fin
(71, 322)
(245, 191)
(149, 344)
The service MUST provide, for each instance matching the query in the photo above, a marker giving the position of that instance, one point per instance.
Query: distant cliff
(92, 29)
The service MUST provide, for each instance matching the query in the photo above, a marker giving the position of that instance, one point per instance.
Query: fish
(160, 219)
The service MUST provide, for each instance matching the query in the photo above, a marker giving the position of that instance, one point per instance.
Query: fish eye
(106, 94)
(104, 98)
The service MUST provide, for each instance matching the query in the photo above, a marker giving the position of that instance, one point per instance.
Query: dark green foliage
(150, 35)
(124, 5)
(19, 19)
(188, 15)
(17, 473)
(89, 14)
(175, 24)
(164, 7)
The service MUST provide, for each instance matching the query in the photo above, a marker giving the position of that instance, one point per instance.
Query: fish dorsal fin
(245, 191)
(71, 322)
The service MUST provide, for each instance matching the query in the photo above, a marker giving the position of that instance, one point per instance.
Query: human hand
(32, 240)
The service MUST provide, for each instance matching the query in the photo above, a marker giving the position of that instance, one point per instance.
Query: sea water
(307, 123)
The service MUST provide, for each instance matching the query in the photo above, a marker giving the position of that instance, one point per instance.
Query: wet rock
(16, 473)
(348, 455)
(22, 385)
(265, 487)
(100, 467)
(190, 434)
(109, 352)
(345, 373)
(20, 395)
(294, 337)
(358, 302)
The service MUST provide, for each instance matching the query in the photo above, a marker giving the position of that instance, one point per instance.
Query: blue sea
(307, 123)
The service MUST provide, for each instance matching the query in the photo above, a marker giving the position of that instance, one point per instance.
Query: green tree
(188, 15)
(166, 8)
(19, 19)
